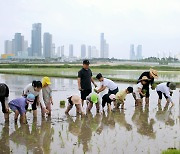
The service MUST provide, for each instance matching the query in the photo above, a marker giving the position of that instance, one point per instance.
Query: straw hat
(144, 78)
(76, 99)
(154, 73)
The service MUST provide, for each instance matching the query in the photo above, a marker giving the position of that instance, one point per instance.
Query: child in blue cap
(18, 106)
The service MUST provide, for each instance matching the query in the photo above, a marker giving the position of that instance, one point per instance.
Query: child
(106, 83)
(138, 93)
(121, 97)
(35, 88)
(166, 90)
(18, 106)
(74, 100)
(47, 93)
(93, 99)
(4, 94)
(108, 98)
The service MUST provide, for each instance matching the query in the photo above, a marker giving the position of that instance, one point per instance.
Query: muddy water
(149, 129)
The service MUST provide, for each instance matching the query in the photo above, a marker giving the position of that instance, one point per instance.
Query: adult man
(84, 80)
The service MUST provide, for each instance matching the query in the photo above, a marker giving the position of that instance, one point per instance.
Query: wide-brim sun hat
(76, 99)
(112, 97)
(172, 86)
(94, 98)
(154, 73)
(144, 78)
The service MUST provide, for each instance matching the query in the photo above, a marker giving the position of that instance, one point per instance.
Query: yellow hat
(46, 80)
(154, 73)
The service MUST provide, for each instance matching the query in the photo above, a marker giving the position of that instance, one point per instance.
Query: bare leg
(35, 113)
(68, 109)
(16, 116)
(6, 117)
(23, 118)
(109, 107)
(82, 102)
(147, 101)
(159, 101)
(89, 107)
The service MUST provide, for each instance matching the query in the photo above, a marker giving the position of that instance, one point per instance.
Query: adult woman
(35, 88)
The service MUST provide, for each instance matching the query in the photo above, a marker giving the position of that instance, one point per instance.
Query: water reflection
(130, 130)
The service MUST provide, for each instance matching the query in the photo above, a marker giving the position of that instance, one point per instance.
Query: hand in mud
(80, 89)
(45, 110)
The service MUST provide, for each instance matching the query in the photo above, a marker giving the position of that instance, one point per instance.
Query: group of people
(114, 95)
(40, 93)
(35, 93)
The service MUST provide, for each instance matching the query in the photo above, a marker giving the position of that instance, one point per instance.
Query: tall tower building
(18, 43)
(8, 47)
(139, 52)
(83, 51)
(47, 45)
(71, 51)
(132, 52)
(89, 52)
(36, 45)
(104, 47)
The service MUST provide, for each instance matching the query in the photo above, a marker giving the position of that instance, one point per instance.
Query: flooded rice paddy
(147, 129)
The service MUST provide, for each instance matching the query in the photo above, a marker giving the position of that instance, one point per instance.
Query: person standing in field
(151, 75)
(4, 94)
(84, 80)
(47, 93)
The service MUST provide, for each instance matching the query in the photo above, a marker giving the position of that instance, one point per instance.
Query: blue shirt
(20, 103)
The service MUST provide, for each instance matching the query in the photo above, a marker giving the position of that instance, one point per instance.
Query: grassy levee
(48, 72)
(120, 67)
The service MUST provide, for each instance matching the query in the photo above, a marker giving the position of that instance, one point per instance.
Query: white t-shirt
(30, 89)
(164, 89)
(109, 84)
(136, 87)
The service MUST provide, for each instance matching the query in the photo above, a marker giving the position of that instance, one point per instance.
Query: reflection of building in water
(165, 115)
(141, 119)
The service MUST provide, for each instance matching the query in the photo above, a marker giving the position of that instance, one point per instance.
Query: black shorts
(106, 99)
(113, 91)
(34, 105)
(2, 100)
(160, 95)
(85, 93)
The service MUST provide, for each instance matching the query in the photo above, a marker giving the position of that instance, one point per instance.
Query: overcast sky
(153, 23)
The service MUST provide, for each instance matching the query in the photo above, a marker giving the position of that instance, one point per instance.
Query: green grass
(57, 73)
(171, 151)
(121, 67)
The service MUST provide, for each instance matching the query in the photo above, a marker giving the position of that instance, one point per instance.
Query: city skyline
(149, 23)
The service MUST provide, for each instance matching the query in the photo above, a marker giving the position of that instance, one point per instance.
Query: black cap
(98, 76)
(86, 62)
